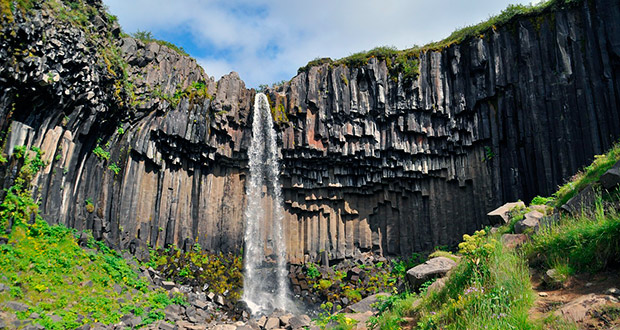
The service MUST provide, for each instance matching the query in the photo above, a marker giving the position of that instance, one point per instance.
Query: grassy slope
(490, 288)
(44, 267)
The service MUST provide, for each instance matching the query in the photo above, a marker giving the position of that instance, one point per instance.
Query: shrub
(101, 153)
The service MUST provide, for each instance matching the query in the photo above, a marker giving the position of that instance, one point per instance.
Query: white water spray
(265, 284)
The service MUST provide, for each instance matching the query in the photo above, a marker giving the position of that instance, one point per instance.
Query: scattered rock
(299, 321)
(613, 292)
(578, 309)
(553, 279)
(530, 221)
(366, 305)
(513, 241)
(168, 285)
(582, 201)
(543, 294)
(611, 178)
(16, 306)
(272, 323)
(225, 327)
(165, 326)
(501, 215)
(435, 267)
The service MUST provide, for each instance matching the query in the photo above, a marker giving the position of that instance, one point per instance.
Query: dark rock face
(370, 161)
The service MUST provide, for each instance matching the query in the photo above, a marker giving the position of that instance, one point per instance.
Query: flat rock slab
(578, 309)
(501, 215)
(512, 241)
(436, 267)
(361, 319)
(365, 305)
(531, 220)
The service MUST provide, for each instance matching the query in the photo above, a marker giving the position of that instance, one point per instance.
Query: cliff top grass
(472, 31)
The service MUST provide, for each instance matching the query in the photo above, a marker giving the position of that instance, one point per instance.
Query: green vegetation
(101, 153)
(406, 61)
(490, 287)
(222, 272)
(195, 92)
(147, 37)
(279, 114)
(588, 175)
(114, 168)
(44, 267)
(583, 243)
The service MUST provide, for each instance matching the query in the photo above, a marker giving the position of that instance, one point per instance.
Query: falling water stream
(265, 282)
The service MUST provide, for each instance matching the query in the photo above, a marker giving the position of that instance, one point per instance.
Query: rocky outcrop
(370, 160)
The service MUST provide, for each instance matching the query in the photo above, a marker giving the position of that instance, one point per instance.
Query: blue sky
(266, 41)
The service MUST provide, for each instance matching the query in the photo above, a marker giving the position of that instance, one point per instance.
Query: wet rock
(435, 267)
(272, 323)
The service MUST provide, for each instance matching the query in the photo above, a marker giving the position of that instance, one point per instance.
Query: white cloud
(233, 35)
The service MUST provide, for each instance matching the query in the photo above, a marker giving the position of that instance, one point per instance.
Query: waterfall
(265, 279)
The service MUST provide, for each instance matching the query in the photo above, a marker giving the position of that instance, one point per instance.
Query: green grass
(44, 267)
(584, 243)
(590, 174)
(490, 289)
(406, 61)
(147, 37)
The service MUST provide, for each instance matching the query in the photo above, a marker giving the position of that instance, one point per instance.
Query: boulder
(578, 309)
(367, 304)
(439, 284)
(553, 279)
(435, 267)
(611, 179)
(299, 321)
(530, 221)
(501, 215)
(582, 201)
(272, 323)
(512, 241)
(168, 285)
(16, 306)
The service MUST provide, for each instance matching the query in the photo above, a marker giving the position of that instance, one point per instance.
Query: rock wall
(370, 160)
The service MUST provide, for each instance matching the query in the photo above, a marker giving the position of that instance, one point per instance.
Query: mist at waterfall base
(266, 286)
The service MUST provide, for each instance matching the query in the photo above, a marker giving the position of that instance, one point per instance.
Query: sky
(266, 41)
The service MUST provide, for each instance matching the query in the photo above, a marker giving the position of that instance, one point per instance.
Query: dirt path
(578, 287)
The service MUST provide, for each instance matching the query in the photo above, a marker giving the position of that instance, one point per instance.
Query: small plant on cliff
(312, 271)
(114, 168)
(90, 208)
(101, 153)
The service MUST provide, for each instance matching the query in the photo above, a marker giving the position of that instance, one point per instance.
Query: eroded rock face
(370, 161)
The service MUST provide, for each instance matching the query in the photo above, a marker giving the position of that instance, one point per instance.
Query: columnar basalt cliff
(371, 159)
